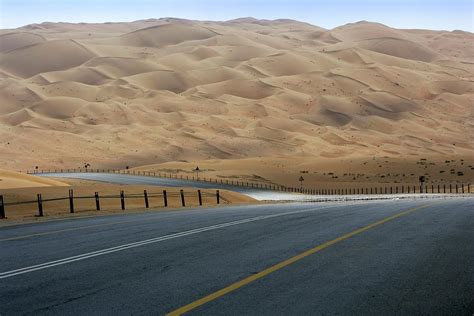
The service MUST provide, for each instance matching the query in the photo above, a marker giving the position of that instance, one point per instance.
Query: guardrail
(164, 195)
(383, 189)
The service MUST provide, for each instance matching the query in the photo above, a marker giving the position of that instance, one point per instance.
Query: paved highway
(258, 194)
(380, 258)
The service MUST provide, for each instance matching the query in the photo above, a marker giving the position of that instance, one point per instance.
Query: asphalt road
(397, 257)
(258, 194)
(146, 180)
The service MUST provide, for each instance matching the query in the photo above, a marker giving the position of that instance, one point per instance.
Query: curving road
(380, 258)
(258, 194)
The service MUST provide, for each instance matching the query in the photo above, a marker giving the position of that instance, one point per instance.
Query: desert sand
(12, 180)
(326, 173)
(244, 97)
(109, 199)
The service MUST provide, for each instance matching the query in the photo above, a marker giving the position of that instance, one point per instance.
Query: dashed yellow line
(283, 264)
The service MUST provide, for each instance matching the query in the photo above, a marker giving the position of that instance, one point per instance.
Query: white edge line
(11, 273)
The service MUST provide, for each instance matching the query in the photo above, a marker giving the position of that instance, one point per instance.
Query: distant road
(258, 194)
(379, 258)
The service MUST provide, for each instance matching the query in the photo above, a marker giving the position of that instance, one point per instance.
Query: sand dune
(364, 30)
(248, 90)
(43, 57)
(399, 48)
(166, 34)
(15, 40)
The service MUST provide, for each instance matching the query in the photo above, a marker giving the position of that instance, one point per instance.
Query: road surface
(380, 258)
(258, 194)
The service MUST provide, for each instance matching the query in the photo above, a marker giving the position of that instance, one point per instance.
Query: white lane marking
(8, 274)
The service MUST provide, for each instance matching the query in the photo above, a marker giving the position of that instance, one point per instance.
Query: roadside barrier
(146, 196)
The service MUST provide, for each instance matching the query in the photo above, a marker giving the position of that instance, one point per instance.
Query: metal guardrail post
(199, 197)
(165, 198)
(71, 201)
(217, 196)
(145, 195)
(122, 200)
(183, 203)
(97, 201)
(40, 205)
(2, 208)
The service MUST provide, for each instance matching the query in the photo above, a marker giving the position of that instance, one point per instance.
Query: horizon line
(234, 19)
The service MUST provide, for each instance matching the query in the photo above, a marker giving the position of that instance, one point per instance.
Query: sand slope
(12, 180)
(159, 90)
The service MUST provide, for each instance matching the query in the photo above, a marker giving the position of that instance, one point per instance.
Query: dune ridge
(162, 90)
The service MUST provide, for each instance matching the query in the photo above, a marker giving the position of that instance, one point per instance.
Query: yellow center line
(283, 264)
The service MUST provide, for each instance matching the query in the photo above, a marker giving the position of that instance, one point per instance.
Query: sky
(424, 14)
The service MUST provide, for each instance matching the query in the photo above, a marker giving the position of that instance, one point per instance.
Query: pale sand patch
(11, 180)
